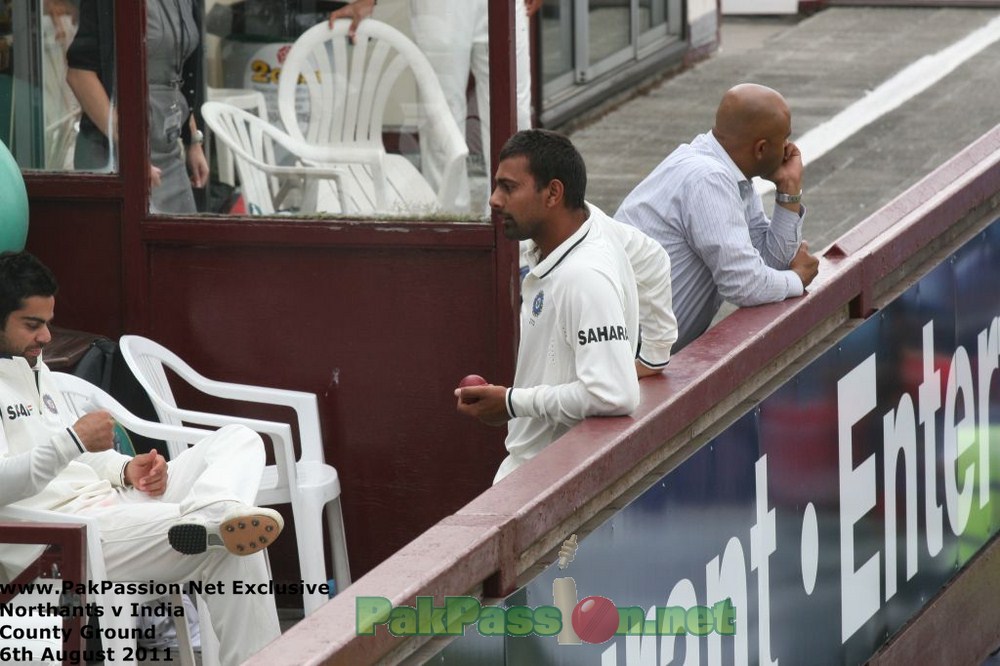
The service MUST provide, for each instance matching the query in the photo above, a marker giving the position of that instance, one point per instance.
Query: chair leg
(338, 544)
(184, 646)
(209, 641)
(308, 518)
(117, 650)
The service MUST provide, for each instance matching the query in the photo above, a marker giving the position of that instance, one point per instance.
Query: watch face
(198, 137)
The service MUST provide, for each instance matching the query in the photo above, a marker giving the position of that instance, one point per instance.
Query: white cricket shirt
(579, 331)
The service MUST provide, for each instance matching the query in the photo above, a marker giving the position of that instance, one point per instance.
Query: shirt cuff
(793, 284)
(786, 219)
(654, 355)
(520, 404)
(75, 446)
(510, 403)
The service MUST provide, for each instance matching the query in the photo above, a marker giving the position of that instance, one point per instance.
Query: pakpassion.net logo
(593, 620)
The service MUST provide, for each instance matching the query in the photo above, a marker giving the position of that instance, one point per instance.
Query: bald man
(700, 204)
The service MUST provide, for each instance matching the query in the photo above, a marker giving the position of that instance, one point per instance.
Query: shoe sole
(240, 535)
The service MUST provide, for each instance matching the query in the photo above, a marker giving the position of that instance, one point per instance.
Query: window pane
(40, 116)
(557, 38)
(652, 13)
(610, 28)
(364, 136)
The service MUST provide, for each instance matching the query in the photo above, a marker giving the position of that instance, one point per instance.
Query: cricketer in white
(159, 521)
(579, 353)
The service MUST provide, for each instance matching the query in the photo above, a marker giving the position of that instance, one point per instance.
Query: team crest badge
(536, 306)
(49, 403)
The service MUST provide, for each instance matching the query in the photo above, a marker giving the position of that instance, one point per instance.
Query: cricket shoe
(244, 530)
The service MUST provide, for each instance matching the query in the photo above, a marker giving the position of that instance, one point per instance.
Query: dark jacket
(93, 49)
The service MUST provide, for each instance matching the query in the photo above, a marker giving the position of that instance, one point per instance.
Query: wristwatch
(197, 138)
(781, 197)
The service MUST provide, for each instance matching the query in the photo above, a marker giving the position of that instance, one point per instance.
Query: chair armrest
(320, 172)
(339, 153)
(152, 428)
(95, 556)
(67, 561)
(24, 514)
(243, 392)
(279, 433)
(304, 403)
(323, 155)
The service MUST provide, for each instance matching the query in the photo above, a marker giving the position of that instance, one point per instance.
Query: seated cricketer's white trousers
(224, 467)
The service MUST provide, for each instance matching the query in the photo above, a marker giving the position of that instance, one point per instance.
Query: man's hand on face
(95, 430)
(787, 177)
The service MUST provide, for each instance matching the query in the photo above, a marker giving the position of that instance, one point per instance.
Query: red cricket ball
(595, 619)
(472, 380)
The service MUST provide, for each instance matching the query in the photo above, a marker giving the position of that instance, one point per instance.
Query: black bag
(96, 359)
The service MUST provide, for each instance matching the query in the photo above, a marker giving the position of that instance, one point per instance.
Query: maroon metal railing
(488, 543)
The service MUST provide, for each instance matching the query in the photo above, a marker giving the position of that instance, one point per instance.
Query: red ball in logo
(595, 619)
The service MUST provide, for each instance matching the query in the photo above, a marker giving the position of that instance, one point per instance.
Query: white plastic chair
(80, 396)
(308, 484)
(249, 100)
(266, 184)
(349, 87)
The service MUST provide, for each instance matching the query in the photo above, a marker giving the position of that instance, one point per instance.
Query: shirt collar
(720, 153)
(11, 357)
(542, 268)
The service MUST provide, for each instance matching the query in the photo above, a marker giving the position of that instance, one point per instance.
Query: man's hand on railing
(805, 265)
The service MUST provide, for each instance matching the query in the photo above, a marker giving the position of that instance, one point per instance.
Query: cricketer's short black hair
(551, 156)
(22, 276)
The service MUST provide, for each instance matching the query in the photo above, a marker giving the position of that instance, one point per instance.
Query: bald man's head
(753, 123)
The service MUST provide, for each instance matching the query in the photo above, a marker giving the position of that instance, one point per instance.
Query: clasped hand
(146, 472)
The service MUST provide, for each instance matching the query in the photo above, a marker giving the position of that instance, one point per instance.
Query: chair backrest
(145, 357)
(81, 397)
(350, 85)
(243, 98)
(251, 142)
(149, 361)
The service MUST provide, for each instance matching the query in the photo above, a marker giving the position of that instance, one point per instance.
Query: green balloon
(13, 204)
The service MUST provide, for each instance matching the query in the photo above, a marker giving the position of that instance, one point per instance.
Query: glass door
(583, 40)
(607, 31)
